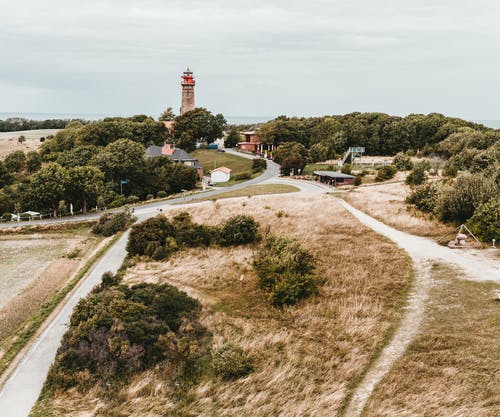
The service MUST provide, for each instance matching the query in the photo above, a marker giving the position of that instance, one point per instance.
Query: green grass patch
(27, 330)
(251, 191)
(310, 168)
(211, 159)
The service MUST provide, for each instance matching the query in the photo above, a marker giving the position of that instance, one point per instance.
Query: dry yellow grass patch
(306, 357)
(386, 202)
(33, 267)
(453, 367)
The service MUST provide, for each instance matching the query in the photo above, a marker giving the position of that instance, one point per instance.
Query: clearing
(386, 202)
(308, 357)
(252, 190)
(9, 143)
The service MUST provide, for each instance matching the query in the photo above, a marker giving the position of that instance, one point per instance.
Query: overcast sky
(252, 58)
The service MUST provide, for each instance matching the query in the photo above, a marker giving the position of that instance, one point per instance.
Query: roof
(223, 169)
(332, 174)
(178, 155)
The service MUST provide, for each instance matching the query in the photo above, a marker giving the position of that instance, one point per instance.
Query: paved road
(23, 387)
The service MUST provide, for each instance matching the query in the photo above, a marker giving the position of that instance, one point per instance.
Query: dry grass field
(9, 143)
(32, 267)
(453, 367)
(386, 202)
(307, 358)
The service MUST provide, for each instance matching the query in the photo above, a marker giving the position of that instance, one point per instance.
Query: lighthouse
(187, 103)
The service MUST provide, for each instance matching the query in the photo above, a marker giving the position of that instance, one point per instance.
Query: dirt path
(473, 265)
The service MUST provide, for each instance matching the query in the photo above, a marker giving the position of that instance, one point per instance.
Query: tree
(21, 139)
(288, 149)
(15, 161)
(33, 161)
(85, 182)
(293, 162)
(167, 115)
(199, 124)
(48, 186)
(418, 174)
(402, 162)
(121, 160)
(232, 138)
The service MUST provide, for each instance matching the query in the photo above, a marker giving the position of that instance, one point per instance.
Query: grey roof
(332, 174)
(179, 155)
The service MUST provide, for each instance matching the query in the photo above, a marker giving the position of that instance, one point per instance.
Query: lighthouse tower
(187, 83)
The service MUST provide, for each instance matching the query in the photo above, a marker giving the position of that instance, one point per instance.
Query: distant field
(34, 265)
(211, 159)
(8, 140)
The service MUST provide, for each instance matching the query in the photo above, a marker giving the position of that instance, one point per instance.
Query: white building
(221, 174)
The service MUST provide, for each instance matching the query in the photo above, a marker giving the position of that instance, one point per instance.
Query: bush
(358, 180)
(458, 202)
(239, 230)
(346, 169)
(285, 270)
(161, 194)
(189, 234)
(424, 197)
(132, 199)
(231, 362)
(450, 169)
(118, 202)
(417, 175)
(112, 223)
(402, 162)
(385, 173)
(118, 330)
(259, 164)
(242, 176)
(156, 229)
(485, 223)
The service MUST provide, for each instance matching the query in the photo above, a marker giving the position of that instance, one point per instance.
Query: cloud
(250, 57)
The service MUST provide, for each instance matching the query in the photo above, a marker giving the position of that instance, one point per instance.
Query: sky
(252, 58)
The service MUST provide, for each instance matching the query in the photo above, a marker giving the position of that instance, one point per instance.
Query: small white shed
(221, 174)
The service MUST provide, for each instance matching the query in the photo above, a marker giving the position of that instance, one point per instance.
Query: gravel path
(474, 265)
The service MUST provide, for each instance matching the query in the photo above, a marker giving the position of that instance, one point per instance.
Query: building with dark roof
(334, 178)
(177, 155)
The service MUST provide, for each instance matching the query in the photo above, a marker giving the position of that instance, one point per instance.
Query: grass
(305, 357)
(453, 366)
(386, 202)
(251, 191)
(12, 346)
(310, 168)
(8, 140)
(211, 159)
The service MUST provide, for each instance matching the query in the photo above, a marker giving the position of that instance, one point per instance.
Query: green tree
(121, 160)
(232, 138)
(199, 124)
(33, 161)
(288, 149)
(15, 161)
(85, 182)
(48, 186)
(167, 115)
(21, 139)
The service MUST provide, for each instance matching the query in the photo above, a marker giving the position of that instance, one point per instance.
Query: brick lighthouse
(187, 83)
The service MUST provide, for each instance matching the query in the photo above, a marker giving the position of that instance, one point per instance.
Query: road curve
(23, 386)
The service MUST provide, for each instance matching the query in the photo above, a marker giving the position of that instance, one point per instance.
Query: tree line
(16, 124)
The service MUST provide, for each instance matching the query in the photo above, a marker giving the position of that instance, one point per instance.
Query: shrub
(346, 169)
(450, 169)
(385, 173)
(161, 194)
(118, 330)
(132, 199)
(150, 197)
(156, 229)
(417, 175)
(485, 223)
(285, 270)
(259, 164)
(358, 180)
(75, 253)
(458, 202)
(424, 197)
(242, 176)
(112, 223)
(402, 162)
(239, 230)
(231, 362)
(118, 202)
(187, 233)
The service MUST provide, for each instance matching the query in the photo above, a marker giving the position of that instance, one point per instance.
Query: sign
(357, 149)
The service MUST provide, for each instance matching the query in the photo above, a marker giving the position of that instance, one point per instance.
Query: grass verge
(251, 191)
(29, 328)
(453, 366)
